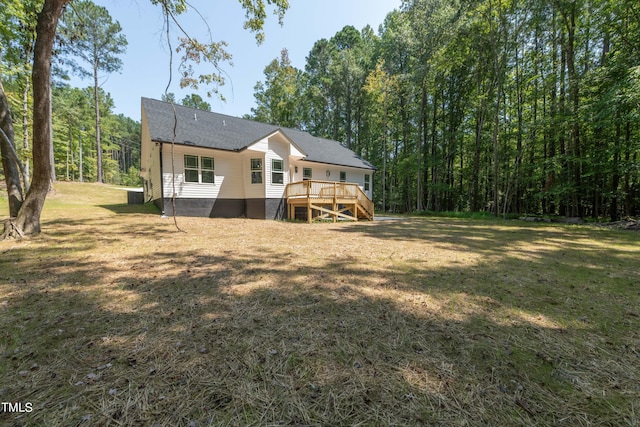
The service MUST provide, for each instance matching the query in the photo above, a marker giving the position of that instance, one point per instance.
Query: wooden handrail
(316, 189)
(323, 190)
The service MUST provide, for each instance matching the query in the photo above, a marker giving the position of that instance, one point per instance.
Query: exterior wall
(149, 164)
(319, 173)
(272, 147)
(253, 191)
(232, 194)
(278, 150)
(228, 208)
(255, 208)
(276, 209)
(227, 168)
(267, 208)
(212, 208)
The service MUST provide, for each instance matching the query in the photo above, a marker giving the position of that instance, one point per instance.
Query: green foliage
(169, 97)
(85, 29)
(279, 98)
(88, 32)
(195, 101)
(489, 105)
(73, 124)
(255, 13)
(195, 53)
(90, 42)
(17, 34)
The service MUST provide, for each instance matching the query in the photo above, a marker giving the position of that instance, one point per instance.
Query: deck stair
(314, 200)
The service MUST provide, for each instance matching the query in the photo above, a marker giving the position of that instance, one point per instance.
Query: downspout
(161, 183)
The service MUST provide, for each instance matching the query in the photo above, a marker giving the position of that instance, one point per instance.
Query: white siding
(278, 149)
(253, 191)
(155, 179)
(268, 149)
(151, 174)
(319, 173)
(233, 170)
(294, 152)
(228, 174)
(149, 163)
(261, 146)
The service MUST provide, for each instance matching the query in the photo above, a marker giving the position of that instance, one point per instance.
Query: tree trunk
(96, 93)
(496, 159)
(25, 130)
(423, 104)
(615, 176)
(80, 161)
(627, 173)
(10, 161)
(28, 219)
(52, 158)
(384, 157)
(69, 147)
(475, 177)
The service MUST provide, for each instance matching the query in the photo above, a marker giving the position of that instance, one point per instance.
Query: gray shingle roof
(212, 130)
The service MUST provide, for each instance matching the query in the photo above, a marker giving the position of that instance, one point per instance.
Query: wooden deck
(321, 200)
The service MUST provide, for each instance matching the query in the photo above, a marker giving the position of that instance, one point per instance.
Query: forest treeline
(503, 106)
(74, 138)
(90, 142)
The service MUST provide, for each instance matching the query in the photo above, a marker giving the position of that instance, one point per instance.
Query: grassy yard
(112, 317)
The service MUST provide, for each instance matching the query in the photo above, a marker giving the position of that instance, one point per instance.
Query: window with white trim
(307, 173)
(343, 176)
(256, 171)
(207, 173)
(199, 169)
(367, 182)
(190, 168)
(277, 171)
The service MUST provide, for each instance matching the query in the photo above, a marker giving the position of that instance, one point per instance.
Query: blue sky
(146, 63)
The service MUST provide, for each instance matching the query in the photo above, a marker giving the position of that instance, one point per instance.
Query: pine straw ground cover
(112, 317)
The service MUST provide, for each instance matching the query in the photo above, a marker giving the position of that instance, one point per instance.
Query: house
(222, 166)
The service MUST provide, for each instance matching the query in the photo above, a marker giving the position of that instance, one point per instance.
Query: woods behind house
(509, 106)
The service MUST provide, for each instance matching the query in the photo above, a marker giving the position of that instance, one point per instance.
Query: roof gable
(218, 131)
(294, 150)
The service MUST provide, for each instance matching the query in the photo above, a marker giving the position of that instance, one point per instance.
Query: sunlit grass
(111, 316)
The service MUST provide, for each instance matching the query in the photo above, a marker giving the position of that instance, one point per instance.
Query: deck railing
(325, 190)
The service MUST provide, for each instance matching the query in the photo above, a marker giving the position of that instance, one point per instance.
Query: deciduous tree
(28, 217)
(89, 33)
(279, 97)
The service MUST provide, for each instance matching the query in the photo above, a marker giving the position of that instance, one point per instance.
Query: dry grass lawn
(111, 317)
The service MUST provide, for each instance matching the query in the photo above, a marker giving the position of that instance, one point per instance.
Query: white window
(343, 176)
(191, 168)
(277, 171)
(256, 171)
(367, 182)
(199, 169)
(307, 173)
(207, 172)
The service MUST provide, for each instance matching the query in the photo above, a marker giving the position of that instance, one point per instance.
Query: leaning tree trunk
(28, 219)
(10, 161)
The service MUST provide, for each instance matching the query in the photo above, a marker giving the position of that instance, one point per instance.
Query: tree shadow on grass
(475, 233)
(123, 208)
(240, 337)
